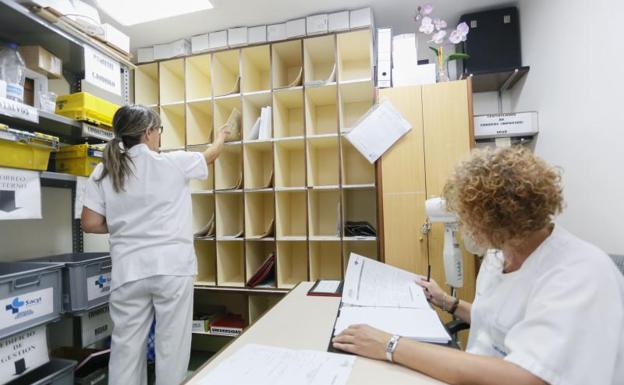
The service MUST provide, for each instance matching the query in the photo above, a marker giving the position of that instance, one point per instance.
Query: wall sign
(95, 325)
(20, 194)
(102, 71)
(22, 353)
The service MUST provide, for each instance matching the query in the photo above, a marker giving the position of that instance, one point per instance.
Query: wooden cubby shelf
(256, 69)
(324, 214)
(222, 109)
(287, 65)
(291, 217)
(252, 108)
(290, 163)
(288, 115)
(172, 81)
(146, 84)
(198, 78)
(229, 168)
(359, 205)
(259, 215)
(355, 55)
(355, 100)
(292, 263)
(206, 262)
(199, 122)
(260, 304)
(256, 253)
(230, 216)
(258, 163)
(226, 72)
(323, 161)
(321, 111)
(356, 170)
(325, 260)
(319, 57)
(172, 120)
(203, 210)
(230, 264)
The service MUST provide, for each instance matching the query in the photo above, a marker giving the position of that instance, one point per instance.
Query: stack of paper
(262, 128)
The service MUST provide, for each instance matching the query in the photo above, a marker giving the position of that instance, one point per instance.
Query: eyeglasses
(159, 129)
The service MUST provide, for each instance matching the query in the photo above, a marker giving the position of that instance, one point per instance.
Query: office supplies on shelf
(359, 229)
(321, 82)
(228, 325)
(233, 122)
(384, 57)
(208, 231)
(266, 272)
(378, 130)
(326, 288)
(268, 365)
(264, 129)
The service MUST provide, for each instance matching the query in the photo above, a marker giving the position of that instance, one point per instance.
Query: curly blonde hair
(504, 194)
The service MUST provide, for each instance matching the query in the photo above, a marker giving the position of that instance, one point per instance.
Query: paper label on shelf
(102, 71)
(96, 132)
(18, 110)
(22, 353)
(98, 286)
(95, 325)
(22, 308)
(20, 194)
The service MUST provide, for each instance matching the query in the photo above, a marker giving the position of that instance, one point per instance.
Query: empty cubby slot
(325, 260)
(256, 69)
(261, 303)
(291, 214)
(172, 120)
(288, 116)
(355, 55)
(206, 262)
(203, 213)
(259, 215)
(292, 264)
(198, 77)
(287, 64)
(363, 248)
(222, 110)
(256, 253)
(319, 58)
(324, 214)
(323, 161)
(172, 81)
(230, 263)
(321, 110)
(252, 111)
(258, 165)
(356, 169)
(229, 168)
(146, 84)
(206, 185)
(360, 206)
(355, 100)
(226, 73)
(199, 123)
(290, 163)
(230, 213)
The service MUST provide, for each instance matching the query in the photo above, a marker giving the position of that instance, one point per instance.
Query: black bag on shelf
(359, 229)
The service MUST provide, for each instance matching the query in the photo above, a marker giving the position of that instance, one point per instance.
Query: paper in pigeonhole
(378, 130)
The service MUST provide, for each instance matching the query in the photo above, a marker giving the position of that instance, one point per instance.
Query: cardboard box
(40, 60)
(200, 43)
(276, 32)
(218, 39)
(180, 47)
(317, 24)
(116, 38)
(237, 36)
(338, 21)
(257, 34)
(295, 28)
(361, 18)
(145, 54)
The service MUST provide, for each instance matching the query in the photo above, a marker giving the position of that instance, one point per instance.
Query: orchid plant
(436, 28)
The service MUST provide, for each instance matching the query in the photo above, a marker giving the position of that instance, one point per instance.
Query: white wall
(577, 86)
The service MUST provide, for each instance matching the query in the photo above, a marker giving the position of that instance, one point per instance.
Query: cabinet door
(403, 186)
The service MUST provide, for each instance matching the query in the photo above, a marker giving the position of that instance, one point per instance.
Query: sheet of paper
(327, 286)
(81, 186)
(419, 324)
(372, 283)
(266, 365)
(380, 128)
(20, 194)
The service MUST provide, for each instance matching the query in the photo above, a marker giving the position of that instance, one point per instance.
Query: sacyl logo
(20, 308)
(101, 281)
(15, 305)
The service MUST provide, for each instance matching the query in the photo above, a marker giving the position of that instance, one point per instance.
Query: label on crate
(20, 194)
(89, 131)
(26, 307)
(98, 286)
(95, 325)
(18, 110)
(102, 71)
(22, 353)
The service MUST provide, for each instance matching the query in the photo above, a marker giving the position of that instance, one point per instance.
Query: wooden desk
(302, 322)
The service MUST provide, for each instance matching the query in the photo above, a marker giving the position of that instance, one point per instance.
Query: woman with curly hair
(549, 307)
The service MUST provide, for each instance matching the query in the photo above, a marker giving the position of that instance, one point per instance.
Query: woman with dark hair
(141, 197)
(549, 307)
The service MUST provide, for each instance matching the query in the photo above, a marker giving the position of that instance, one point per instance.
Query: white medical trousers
(132, 309)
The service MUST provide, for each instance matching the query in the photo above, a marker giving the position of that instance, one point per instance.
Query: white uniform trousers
(132, 308)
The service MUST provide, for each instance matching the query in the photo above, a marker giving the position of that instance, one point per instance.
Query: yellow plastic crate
(86, 107)
(21, 149)
(80, 159)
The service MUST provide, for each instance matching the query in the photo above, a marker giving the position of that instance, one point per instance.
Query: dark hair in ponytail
(129, 124)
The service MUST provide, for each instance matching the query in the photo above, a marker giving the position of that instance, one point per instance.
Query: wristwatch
(391, 347)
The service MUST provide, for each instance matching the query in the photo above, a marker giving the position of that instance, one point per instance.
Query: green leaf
(434, 49)
(458, 56)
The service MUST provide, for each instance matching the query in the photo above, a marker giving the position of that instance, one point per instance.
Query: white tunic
(560, 316)
(150, 223)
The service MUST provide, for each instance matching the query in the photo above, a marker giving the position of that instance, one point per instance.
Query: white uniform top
(560, 316)
(150, 223)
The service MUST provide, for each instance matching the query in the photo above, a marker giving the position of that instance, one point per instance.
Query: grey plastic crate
(55, 372)
(80, 273)
(30, 295)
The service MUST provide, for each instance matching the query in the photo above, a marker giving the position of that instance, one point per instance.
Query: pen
(428, 273)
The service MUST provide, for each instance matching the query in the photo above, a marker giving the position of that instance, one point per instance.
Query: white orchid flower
(438, 37)
(426, 9)
(439, 24)
(426, 26)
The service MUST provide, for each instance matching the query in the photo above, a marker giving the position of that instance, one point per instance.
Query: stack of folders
(265, 275)
(389, 299)
(230, 325)
(262, 128)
